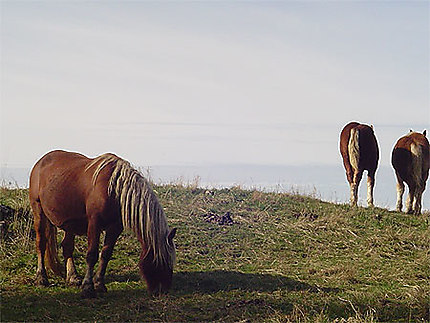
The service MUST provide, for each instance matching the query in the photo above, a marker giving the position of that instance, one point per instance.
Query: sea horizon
(325, 182)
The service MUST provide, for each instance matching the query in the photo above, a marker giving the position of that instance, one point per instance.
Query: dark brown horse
(86, 196)
(360, 152)
(410, 159)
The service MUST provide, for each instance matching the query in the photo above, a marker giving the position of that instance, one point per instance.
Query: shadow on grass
(65, 304)
(131, 303)
(220, 280)
(191, 299)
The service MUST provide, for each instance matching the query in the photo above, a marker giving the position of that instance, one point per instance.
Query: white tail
(354, 148)
(417, 163)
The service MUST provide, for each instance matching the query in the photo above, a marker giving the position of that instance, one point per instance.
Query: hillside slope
(241, 255)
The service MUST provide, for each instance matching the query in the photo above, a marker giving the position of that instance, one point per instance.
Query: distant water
(321, 181)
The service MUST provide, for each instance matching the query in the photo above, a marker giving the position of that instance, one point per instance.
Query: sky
(210, 82)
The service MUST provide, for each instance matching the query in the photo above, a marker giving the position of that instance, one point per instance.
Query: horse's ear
(171, 235)
(425, 133)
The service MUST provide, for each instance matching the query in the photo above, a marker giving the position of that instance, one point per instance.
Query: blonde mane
(141, 211)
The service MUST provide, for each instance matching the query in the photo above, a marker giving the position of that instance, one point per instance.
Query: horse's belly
(64, 210)
(74, 223)
(75, 226)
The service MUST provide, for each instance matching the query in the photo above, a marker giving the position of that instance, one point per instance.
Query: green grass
(286, 258)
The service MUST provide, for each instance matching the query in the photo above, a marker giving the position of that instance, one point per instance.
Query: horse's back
(413, 138)
(54, 168)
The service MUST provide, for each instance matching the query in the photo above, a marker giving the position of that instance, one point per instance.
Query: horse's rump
(59, 185)
(358, 147)
(410, 158)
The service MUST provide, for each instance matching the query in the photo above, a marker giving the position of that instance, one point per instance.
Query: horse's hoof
(74, 281)
(88, 292)
(100, 288)
(41, 280)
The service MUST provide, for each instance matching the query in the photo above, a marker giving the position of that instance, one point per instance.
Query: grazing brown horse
(86, 196)
(410, 159)
(360, 152)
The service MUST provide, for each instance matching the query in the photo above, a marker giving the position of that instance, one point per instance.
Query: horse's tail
(354, 148)
(417, 163)
(51, 253)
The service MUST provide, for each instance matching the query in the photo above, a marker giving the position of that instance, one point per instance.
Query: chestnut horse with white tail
(86, 196)
(360, 152)
(410, 159)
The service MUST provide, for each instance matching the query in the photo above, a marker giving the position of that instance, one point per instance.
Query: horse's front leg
(112, 234)
(93, 233)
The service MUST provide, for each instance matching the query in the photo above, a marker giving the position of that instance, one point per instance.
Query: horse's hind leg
(400, 190)
(92, 257)
(417, 201)
(112, 234)
(68, 245)
(410, 199)
(39, 226)
(354, 187)
(370, 185)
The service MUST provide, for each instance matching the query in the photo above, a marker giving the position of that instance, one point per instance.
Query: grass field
(241, 256)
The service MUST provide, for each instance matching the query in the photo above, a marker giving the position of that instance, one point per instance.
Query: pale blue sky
(164, 83)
